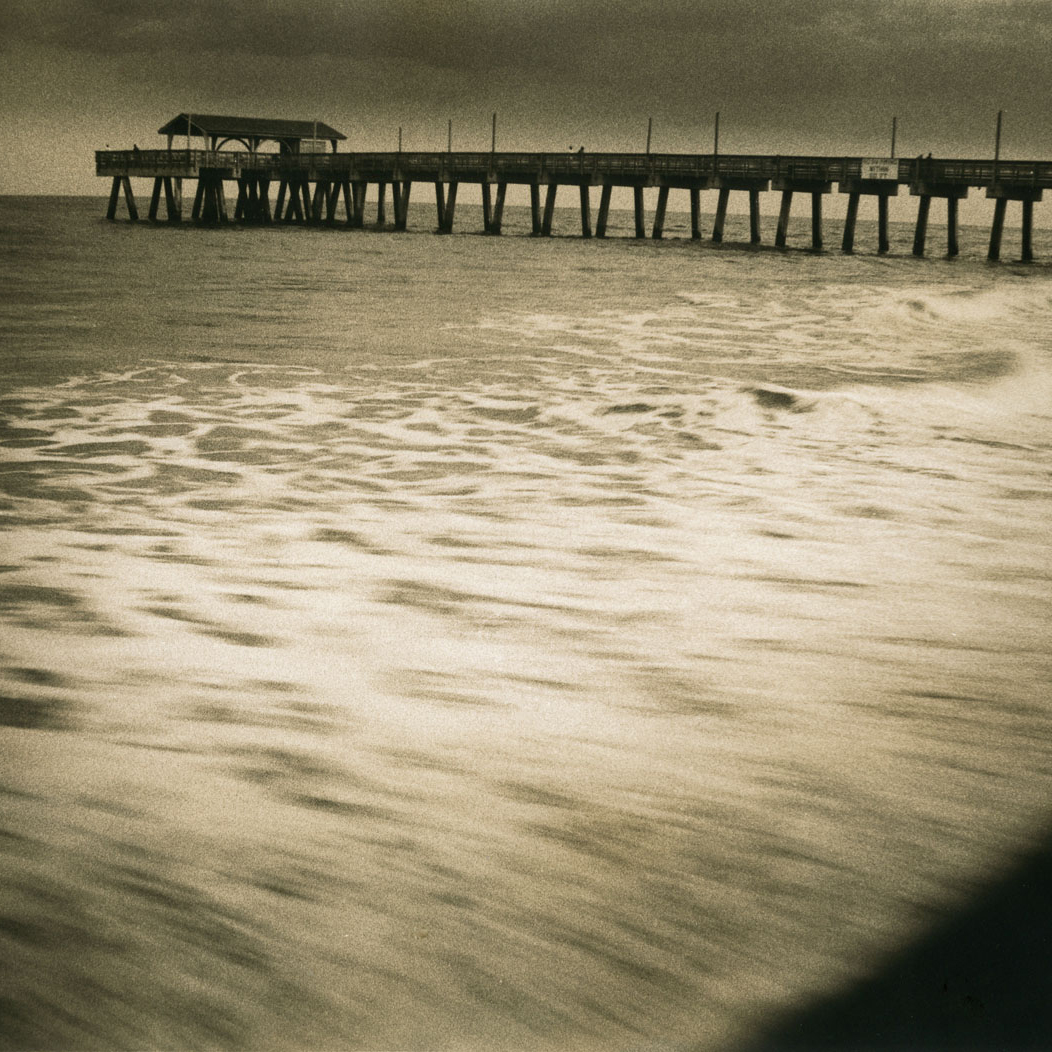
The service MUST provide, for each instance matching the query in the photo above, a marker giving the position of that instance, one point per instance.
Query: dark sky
(808, 76)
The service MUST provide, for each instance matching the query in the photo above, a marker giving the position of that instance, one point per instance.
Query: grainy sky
(809, 76)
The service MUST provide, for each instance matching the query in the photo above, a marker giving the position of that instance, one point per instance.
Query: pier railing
(588, 168)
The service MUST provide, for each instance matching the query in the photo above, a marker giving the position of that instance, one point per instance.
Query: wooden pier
(312, 187)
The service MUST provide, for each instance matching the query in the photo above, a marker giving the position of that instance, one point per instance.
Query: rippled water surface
(471, 643)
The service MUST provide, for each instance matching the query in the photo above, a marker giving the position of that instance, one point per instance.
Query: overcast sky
(809, 76)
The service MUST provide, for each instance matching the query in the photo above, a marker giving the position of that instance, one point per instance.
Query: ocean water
(470, 643)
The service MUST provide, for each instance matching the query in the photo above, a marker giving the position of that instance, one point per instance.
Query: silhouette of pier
(305, 183)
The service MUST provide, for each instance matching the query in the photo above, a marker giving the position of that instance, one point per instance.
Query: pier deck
(310, 185)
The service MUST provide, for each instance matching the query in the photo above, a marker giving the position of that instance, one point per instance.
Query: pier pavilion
(315, 186)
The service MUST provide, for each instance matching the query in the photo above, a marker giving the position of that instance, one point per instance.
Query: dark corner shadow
(982, 980)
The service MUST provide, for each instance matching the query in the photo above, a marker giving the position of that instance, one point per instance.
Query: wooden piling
(381, 208)
(498, 208)
(115, 193)
(173, 198)
(754, 217)
(883, 240)
(783, 219)
(695, 214)
(952, 247)
(199, 197)
(721, 215)
(604, 210)
(487, 207)
(155, 199)
(920, 234)
(637, 201)
(549, 209)
(1027, 245)
(816, 221)
(847, 244)
(358, 189)
(586, 212)
(659, 214)
(997, 229)
(129, 200)
(535, 209)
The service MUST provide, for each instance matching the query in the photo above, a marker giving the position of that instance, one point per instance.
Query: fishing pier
(307, 180)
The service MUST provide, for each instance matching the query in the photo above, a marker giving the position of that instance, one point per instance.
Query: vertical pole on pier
(920, 234)
(650, 128)
(659, 214)
(716, 142)
(604, 210)
(1027, 254)
(816, 221)
(487, 208)
(535, 209)
(847, 244)
(952, 247)
(637, 200)
(695, 213)
(883, 241)
(449, 140)
(1000, 206)
(399, 138)
(498, 209)
(721, 215)
(783, 219)
(549, 209)
(997, 145)
(493, 137)
(894, 128)
(586, 212)
(754, 217)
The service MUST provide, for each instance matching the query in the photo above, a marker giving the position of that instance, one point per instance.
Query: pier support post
(721, 215)
(637, 201)
(952, 247)
(321, 193)
(129, 199)
(199, 197)
(173, 198)
(401, 204)
(283, 187)
(381, 206)
(586, 212)
(847, 243)
(883, 240)
(659, 214)
(487, 208)
(695, 214)
(498, 209)
(1000, 207)
(604, 210)
(1027, 245)
(549, 209)
(816, 221)
(115, 193)
(754, 217)
(535, 209)
(783, 219)
(359, 187)
(155, 199)
(448, 207)
(920, 234)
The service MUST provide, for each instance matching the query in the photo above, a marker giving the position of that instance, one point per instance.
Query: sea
(505, 643)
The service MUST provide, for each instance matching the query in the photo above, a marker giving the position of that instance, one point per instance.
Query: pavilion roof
(248, 127)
